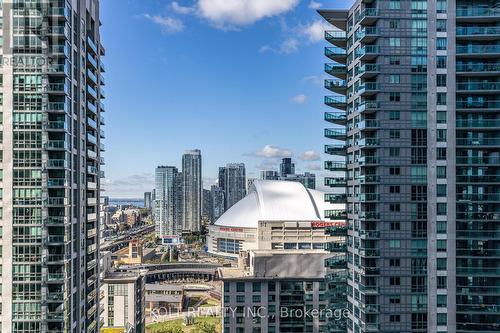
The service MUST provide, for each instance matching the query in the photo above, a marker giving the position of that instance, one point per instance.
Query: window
(441, 6)
(394, 318)
(441, 245)
(441, 98)
(256, 298)
(441, 172)
(394, 41)
(441, 25)
(395, 97)
(441, 135)
(441, 43)
(441, 117)
(441, 318)
(395, 299)
(394, 4)
(441, 61)
(256, 287)
(394, 280)
(441, 282)
(441, 80)
(441, 154)
(395, 78)
(441, 190)
(394, 243)
(395, 226)
(441, 264)
(441, 208)
(441, 227)
(441, 301)
(394, 134)
(395, 207)
(394, 24)
(394, 115)
(394, 262)
(394, 60)
(395, 171)
(394, 152)
(394, 189)
(240, 287)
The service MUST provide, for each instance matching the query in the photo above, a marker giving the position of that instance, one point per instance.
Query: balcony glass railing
(478, 104)
(335, 149)
(330, 35)
(470, 31)
(478, 141)
(368, 124)
(335, 133)
(335, 100)
(363, 160)
(368, 86)
(367, 12)
(478, 67)
(486, 160)
(367, 31)
(461, 123)
(335, 84)
(478, 49)
(333, 51)
(366, 68)
(335, 116)
(478, 86)
(367, 49)
(335, 68)
(477, 11)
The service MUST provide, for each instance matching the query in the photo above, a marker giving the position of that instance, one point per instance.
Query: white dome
(274, 200)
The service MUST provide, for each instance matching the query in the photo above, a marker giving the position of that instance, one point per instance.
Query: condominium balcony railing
(56, 125)
(367, 106)
(339, 102)
(486, 160)
(495, 197)
(475, 49)
(478, 141)
(368, 16)
(368, 88)
(367, 70)
(478, 178)
(337, 38)
(478, 104)
(336, 150)
(479, 12)
(91, 45)
(56, 107)
(367, 34)
(368, 197)
(366, 142)
(478, 123)
(365, 179)
(477, 31)
(337, 70)
(337, 134)
(339, 118)
(368, 160)
(483, 87)
(56, 144)
(335, 166)
(335, 198)
(478, 67)
(367, 52)
(337, 86)
(335, 214)
(335, 181)
(368, 124)
(57, 163)
(336, 54)
(369, 234)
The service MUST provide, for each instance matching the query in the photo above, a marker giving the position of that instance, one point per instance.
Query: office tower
(269, 175)
(147, 200)
(287, 167)
(52, 133)
(217, 195)
(178, 203)
(233, 180)
(207, 204)
(422, 114)
(192, 186)
(307, 179)
(166, 222)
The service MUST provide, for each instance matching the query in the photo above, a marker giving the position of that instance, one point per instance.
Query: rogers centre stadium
(275, 215)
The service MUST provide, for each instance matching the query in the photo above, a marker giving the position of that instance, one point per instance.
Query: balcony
(59, 49)
(59, 69)
(367, 70)
(92, 61)
(478, 69)
(493, 124)
(368, 88)
(480, 104)
(58, 12)
(56, 107)
(485, 160)
(367, 52)
(368, 142)
(91, 45)
(337, 38)
(59, 125)
(369, 215)
(368, 16)
(336, 86)
(368, 160)
(57, 163)
(336, 54)
(479, 51)
(335, 214)
(487, 142)
(57, 182)
(477, 14)
(56, 145)
(336, 134)
(338, 102)
(368, 179)
(339, 118)
(487, 197)
(335, 166)
(369, 197)
(478, 87)
(367, 34)
(339, 150)
(56, 88)
(336, 181)
(367, 107)
(369, 234)
(335, 198)
(369, 252)
(478, 33)
(368, 124)
(336, 70)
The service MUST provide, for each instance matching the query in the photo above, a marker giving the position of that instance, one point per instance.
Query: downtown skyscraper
(168, 203)
(415, 118)
(232, 180)
(192, 191)
(52, 132)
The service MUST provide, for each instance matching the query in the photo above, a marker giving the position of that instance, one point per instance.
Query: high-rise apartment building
(192, 187)
(207, 204)
(147, 200)
(232, 180)
(269, 175)
(287, 167)
(415, 113)
(167, 203)
(287, 172)
(217, 196)
(52, 132)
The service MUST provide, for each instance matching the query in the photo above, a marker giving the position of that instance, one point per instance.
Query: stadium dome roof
(274, 200)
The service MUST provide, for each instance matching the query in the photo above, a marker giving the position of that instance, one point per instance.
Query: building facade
(287, 173)
(233, 183)
(52, 134)
(287, 167)
(192, 189)
(217, 196)
(147, 200)
(167, 203)
(415, 113)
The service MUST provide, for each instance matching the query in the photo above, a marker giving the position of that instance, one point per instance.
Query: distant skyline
(242, 84)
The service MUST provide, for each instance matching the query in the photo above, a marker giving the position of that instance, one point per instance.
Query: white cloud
(315, 31)
(315, 5)
(168, 24)
(289, 45)
(270, 151)
(313, 167)
(299, 99)
(132, 186)
(230, 13)
(181, 9)
(310, 155)
(314, 79)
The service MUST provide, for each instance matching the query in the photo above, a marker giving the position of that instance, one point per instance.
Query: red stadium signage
(230, 229)
(322, 224)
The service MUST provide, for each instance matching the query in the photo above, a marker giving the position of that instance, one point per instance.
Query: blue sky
(239, 79)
